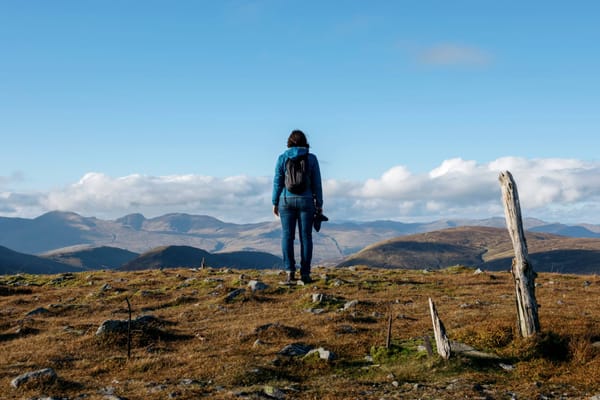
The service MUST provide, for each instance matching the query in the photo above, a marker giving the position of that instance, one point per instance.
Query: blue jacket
(314, 191)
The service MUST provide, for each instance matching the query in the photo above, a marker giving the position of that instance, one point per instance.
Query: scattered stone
(478, 271)
(323, 354)
(107, 391)
(316, 311)
(587, 283)
(596, 345)
(295, 349)
(105, 287)
(257, 343)
(274, 392)
(337, 282)
(318, 297)
(41, 377)
(346, 329)
(507, 367)
(62, 278)
(257, 285)
(158, 388)
(350, 304)
(596, 397)
(112, 326)
(37, 311)
(232, 295)
(187, 283)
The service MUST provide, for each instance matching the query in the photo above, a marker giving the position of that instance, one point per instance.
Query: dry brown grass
(212, 342)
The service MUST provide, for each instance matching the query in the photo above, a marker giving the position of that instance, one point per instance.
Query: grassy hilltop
(206, 340)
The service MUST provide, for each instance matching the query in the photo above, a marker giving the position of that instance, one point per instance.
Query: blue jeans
(300, 210)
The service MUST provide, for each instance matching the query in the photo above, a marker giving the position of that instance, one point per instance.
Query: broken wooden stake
(388, 339)
(128, 329)
(428, 347)
(441, 340)
(522, 271)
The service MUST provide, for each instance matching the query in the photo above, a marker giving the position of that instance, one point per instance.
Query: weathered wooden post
(441, 340)
(522, 271)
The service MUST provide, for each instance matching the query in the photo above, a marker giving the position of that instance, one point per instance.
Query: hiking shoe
(290, 277)
(306, 279)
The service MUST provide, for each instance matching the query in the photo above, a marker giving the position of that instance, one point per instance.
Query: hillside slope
(483, 247)
(103, 257)
(13, 262)
(186, 256)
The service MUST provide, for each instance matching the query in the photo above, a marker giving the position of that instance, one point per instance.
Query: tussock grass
(208, 347)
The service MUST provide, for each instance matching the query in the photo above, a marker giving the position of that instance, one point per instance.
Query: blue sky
(413, 108)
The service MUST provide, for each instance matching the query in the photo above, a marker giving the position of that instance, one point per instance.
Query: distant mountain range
(78, 242)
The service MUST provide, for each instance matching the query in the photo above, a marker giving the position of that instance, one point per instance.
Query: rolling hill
(87, 257)
(484, 247)
(186, 256)
(12, 262)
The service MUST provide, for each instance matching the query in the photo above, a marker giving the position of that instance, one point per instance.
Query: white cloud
(451, 54)
(563, 190)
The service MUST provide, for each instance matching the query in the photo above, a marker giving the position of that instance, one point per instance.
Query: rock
(350, 304)
(323, 354)
(274, 392)
(105, 287)
(478, 271)
(40, 377)
(507, 367)
(295, 349)
(317, 297)
(232, 295)
(337, 283)
(112, 326)
(37, 311)
(257, 285)
(346, 329)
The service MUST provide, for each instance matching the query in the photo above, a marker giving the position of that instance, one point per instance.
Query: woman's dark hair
(297, 139)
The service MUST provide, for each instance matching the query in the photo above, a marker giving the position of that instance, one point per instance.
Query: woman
(297, 207)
